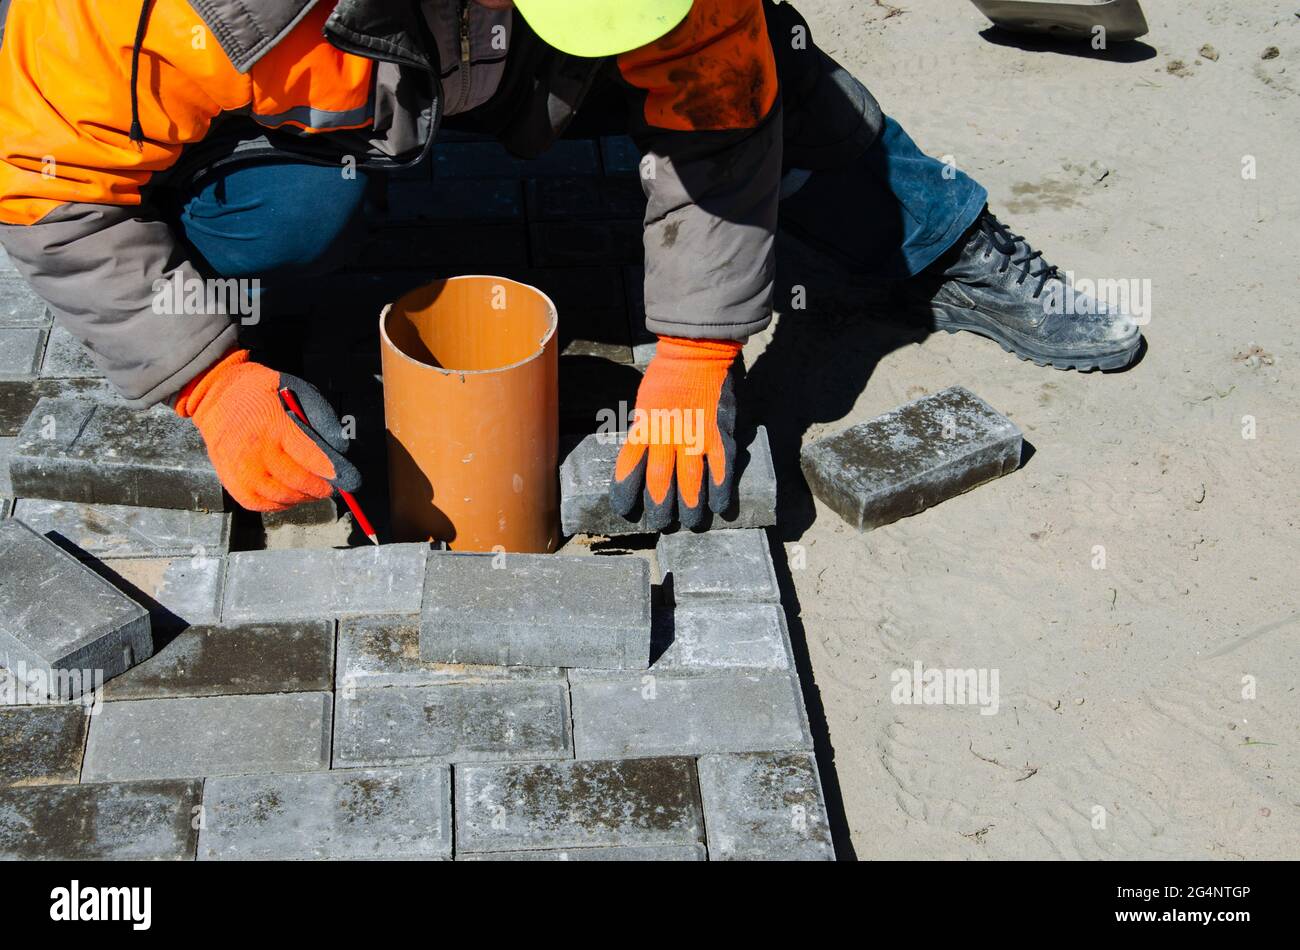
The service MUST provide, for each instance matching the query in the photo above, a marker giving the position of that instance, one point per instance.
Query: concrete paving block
(7, 444)
(911, 458)
(380, 814)
(215, 735)
(307, 584)
(456, 199)
(588, 198)
(443, 250)
(310, 514)
(6, 506)
(766, 806)
(695, 852)
(19, 305)
(586, 472)
(57, 614)
(536, 610)
(239, 660)
(20, 357)
(460, 723)
(718, 566)
(626, 715)
(88, 451)
(374, 652)
(560, 805)
(41, 745)
(491, 160)
(115, 531)
(67, 358)
(578, 243)
(178, 591)
(134, 821)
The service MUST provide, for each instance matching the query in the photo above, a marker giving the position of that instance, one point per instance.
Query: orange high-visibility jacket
(80, 143)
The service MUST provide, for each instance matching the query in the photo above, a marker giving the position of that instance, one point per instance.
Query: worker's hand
(264, 456)
(681, 445)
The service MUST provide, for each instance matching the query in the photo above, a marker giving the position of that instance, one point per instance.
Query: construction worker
(146, 144)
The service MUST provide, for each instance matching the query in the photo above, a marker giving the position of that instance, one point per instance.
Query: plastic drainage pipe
(471, 405)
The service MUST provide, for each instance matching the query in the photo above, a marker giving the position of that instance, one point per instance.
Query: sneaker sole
(954, 321)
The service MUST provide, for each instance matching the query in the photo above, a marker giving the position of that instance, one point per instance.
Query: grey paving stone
(238, 660)
(491, 160)
(374, 652)
(461, 723)
(67, 358)
(113, 531)
(134, 821)
(559, 805)
(41, 745)
(718, 566)
(911, 458)
(536, 610)
(764, 807)
(19, 305)
(456, 199)
(302, 584)
(381, 814)
(622, 715)
(83, 450)
(695, 852)
(214, 735)
(310, 514)
(57, 614)
(6, 505)
(589, 198)
(20, 356)
(586, 472)
(178, 591)
(577, 243)
(6, 449)
(445, 249)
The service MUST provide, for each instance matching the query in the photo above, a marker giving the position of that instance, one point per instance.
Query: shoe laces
(1015, 251)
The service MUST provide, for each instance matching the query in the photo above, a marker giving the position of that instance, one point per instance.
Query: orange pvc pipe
(471, 405)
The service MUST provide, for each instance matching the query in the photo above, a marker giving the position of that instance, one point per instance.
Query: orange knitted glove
(264, 456)
(682, 431)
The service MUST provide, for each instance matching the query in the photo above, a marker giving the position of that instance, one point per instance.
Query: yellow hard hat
(602, 27)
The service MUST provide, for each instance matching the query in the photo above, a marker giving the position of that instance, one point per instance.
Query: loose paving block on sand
(911, 458)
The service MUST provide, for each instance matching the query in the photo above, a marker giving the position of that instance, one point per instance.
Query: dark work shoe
(994, 284)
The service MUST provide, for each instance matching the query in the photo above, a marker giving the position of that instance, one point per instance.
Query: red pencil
(362, 521)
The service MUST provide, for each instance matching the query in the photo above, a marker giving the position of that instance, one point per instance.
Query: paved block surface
(83, 450)
(41, 745)
(58, 614)
(304, 584)
(486, 159)
(6, 449)
(375, 652)
(67, 358)
(575, 243)
(764, 807)
(20, 356)
(647, 714)
(537, 610)
(664, 853)
(586, 472)
(567, 199)
(911, 458)
(177, 591)
(555, 805)
(718, 566)
(387, 814)
(111, 531)
(19, 305)
(239, 660)
(461, 723)
(218, 735)
(135, 821)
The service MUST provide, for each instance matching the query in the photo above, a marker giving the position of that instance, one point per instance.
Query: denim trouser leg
(889, 213)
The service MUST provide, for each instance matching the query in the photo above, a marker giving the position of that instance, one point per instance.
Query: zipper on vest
(464, 55)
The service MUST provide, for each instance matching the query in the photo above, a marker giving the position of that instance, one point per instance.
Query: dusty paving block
(623, 715)
(6, 449)
(216, 735)
(83, 450)
(718, 566)
(178, 591)
(461, 723)
(112, 531)
(310, 514)
(381, 814)
(41, 745)
(375, 652)
(556, 805)
(764, 807)
(537, 610)
(19, 304)
(57, 614)
(587, 471)
(67, 358)
(302, 584)
(20, 354)
(695, 852)
(241, 660)
(911, 458)
(134, 821)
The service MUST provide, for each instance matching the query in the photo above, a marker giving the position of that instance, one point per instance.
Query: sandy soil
(1126, 726)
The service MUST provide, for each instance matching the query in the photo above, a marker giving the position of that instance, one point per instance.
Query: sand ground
(1148, 707)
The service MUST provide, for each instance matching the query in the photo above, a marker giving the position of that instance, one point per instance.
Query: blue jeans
(887, 214)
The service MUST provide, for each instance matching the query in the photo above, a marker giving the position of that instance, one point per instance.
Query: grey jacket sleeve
(710, 228)
(112, 279)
